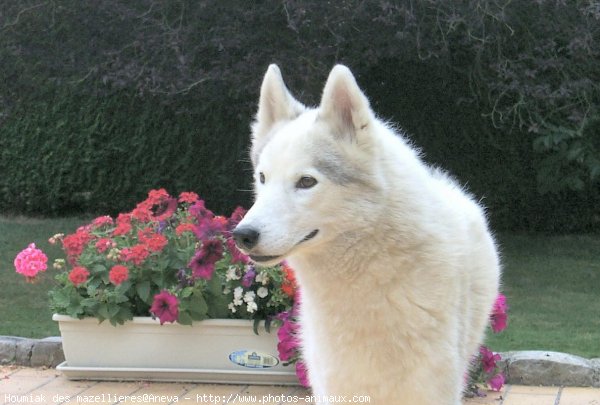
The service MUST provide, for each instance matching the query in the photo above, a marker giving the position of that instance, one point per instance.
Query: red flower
(165, 307)
(123, 225)
(289, 285)
(136, 254)
(75, 243)
(186, 227)
(102, 221)
(154, 241)
(188, 197)
(118, 274)
(103, 244)
(79, 275)
(159, 206)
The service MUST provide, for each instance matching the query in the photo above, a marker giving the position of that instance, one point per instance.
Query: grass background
(551, 283)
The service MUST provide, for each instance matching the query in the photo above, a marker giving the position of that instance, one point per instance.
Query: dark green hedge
(101, 101)
(72, 152)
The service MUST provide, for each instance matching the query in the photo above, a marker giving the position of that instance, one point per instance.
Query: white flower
(249, 297)
(232, 274)
(262, 292)
(252, 307)
(231, 307)
(226, 290)
(237, 302)
(237, 292)
(262, 278)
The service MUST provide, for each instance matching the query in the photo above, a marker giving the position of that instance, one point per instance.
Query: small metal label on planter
(253, 359)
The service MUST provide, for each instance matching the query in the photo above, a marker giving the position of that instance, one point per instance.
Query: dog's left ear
(343, 105)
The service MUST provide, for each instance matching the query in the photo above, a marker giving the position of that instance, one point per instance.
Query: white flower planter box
(211, 351)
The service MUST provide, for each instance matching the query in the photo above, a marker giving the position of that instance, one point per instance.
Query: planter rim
(147, 320)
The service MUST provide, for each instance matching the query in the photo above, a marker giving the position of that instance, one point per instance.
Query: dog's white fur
(398, 284)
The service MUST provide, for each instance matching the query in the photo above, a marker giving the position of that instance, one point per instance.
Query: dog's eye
(261, 178)
(306, 182)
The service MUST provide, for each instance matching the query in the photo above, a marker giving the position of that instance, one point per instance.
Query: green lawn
(24, 307)
(552, 284)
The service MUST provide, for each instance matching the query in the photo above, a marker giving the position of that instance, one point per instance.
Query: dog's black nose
(245, 237)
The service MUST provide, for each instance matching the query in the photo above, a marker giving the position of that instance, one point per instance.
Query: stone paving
(23, 385)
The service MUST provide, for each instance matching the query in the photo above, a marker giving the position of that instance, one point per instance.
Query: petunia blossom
(165, 306)
(496, 382)
(488, 359)
(499, 316)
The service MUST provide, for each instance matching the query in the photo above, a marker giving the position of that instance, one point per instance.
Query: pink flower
(118, 274)
(496, 382)
(165, 307)
(499, 316)
(488, 359)
(302, 373)
(30, 261)
(79, 275)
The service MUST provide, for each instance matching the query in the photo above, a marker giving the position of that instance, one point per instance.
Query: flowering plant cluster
(485, 369)
(171, 258)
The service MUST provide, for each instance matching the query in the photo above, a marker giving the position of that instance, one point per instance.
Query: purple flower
(496, 382)
(248, 278)
(200, 211)
(165, 306)
(203, 262)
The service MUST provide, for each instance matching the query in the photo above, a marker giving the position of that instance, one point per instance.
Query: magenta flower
(30, 261)
(302, 373)
(488, 359)
(165, 306)
(203, 262)
(496, 382)
(499, 316)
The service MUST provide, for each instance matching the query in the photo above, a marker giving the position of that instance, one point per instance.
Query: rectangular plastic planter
(211, 351)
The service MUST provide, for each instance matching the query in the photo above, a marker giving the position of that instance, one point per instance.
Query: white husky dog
(396, 265)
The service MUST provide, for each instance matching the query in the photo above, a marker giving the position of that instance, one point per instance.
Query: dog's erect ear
(343, 105)
(276, 104)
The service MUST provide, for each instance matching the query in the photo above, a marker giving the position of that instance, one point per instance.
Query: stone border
(550, 368)
(524, 367)
(45, 352)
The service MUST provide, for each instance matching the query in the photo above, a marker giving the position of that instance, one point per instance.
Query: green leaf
(256, 325)
(268, 325)
(198, 306)
(184, 318)
(143, 291)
